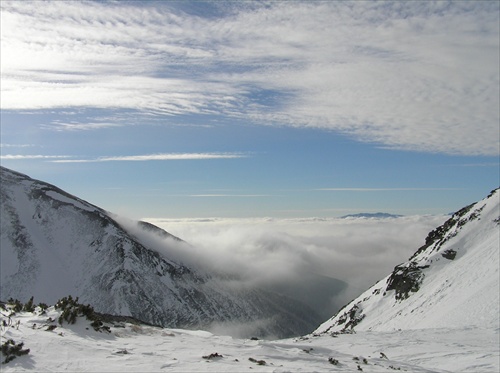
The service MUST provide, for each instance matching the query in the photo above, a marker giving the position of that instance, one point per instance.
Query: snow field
(132, 348)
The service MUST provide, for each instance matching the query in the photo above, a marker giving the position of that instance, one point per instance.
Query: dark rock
(405, 279)
(258, 362)
(449, 254)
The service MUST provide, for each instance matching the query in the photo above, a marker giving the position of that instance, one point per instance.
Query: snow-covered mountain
(438, 312)
(450, 282)
(54, 244)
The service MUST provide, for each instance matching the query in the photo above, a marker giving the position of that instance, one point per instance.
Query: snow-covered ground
(451, 282)
(134, 348)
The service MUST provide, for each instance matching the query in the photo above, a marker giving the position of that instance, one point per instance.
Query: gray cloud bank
(322, 262)
(408, 75)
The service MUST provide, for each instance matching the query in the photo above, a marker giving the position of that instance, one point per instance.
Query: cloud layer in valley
(415, 75)
(303, 258)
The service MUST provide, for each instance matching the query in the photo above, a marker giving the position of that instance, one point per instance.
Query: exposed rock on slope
(54, 244)
(451, 281)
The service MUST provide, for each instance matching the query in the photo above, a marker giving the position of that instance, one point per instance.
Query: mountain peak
(452, 280)
(55, 244)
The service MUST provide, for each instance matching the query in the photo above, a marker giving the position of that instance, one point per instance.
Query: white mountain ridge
(452, 281)
(54, 244)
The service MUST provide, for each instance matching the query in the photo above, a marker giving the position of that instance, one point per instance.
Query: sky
(286, 109)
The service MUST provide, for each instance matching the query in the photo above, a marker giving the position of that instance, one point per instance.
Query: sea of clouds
(324, 262)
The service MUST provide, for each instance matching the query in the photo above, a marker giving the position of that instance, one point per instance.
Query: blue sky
(248, 109)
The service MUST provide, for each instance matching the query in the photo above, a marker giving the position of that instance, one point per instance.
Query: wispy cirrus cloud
(33, 156)
(78, 126)
(415, 76)
(488, 164)
(16, 145)
(157, 157)
(381, 189)
(231, 195)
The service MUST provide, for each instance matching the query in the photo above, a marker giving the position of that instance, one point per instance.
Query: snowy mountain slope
(54, 244)
(131, 347)
(450, 282)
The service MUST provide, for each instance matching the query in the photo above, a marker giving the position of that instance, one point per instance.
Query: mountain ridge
(54, 244)
(452, 280)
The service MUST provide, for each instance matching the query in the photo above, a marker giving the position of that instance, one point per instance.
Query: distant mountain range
(369, 215)
(54, 244)
(450, 282)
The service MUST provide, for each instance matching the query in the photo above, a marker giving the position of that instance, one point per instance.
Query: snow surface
(139, 348)
(454, 293)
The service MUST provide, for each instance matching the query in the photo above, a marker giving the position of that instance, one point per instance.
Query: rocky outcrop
(458, 258)
(405, 279)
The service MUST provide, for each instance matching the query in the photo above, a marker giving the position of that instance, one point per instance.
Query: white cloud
(479, 165)
(34, 156)
(415, 75)
(230, 195)
(157, 157)
(16, 145)
(76, 126)
(265, 251)
(380, 189)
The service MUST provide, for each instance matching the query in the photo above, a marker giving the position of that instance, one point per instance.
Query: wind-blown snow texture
(450, 282)
(54, 244)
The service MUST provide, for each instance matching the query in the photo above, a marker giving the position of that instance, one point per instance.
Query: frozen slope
(140, 348)
(54, 244)
(450, 282)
